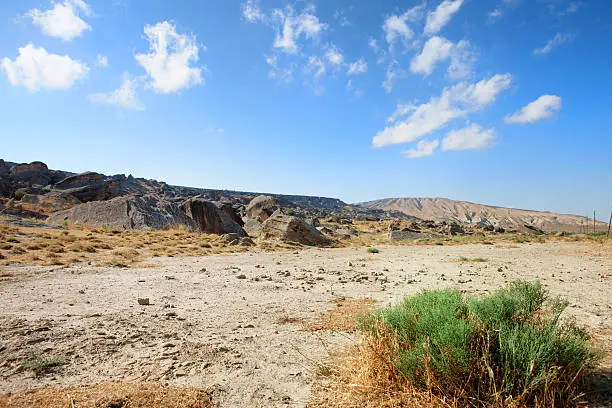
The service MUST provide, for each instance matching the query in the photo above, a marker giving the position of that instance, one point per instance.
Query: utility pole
(609, 225)
(594, 222)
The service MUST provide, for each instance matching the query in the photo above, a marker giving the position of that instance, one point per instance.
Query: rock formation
(291, 228)
(261, 207)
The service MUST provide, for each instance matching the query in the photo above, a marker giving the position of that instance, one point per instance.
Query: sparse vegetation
(40, 364)
(509, 348)
(373, 250)
(476, 259)
(19, 194)
(111, 394)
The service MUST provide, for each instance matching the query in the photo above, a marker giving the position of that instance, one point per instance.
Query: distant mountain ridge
(444, 209)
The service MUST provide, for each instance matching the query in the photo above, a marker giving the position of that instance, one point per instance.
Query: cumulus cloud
(101, 61)
(291, 27)
(63, 20)
(435, 50)
(334, 56)
(411, 122)
(252, 12)
(169, 60)
(438, 18)
(124, 97)
(554, 42)
(396, 26)
(316, 66)
(393, 71)
(462, 60)
(423, 149)
(35, 68)
(470, 137)
(358, 67)
(542, 108)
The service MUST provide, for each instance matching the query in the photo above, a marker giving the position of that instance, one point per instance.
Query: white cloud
(423, 149)
(396, 26)
(455, 102)
(542, 108)
(470, 137)
(214, 130)
(334, 56)
(438, 18)
(316, 65)
(63, 20)
(495, 14)
(282, 75)
(553, 43)
(124, 97)
(35, 68)
(462, 61)
(290, 27)
(169, 59)
(373, 44)
(101, 61)
(435, 50)
(393, 71)
(252, 12)
(572, 8)
(340, 17)
(358, 67)
(438, 49)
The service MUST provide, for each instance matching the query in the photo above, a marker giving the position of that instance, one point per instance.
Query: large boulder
(50, 202)
(35, 173)
(129, 212)
(261, 207)
(213, 217)
(88, 186)
(290, 228)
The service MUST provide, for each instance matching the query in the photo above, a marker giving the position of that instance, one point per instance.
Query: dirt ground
(242, 323)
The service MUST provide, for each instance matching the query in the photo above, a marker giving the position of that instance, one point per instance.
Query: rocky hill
(32, 190)
(444, 209)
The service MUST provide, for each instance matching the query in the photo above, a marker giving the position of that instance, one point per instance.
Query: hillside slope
(444, 209)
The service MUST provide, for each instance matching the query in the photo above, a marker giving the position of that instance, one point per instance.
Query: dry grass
(365, 377)
(103, 247)
(343, 315)
(110, 395)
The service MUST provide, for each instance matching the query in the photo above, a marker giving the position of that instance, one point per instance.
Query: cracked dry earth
(236, 322)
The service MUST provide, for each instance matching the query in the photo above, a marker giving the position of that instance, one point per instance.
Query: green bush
(508, 346)
(19, 194)
(373, 250)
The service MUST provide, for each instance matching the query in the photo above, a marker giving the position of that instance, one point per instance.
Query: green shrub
(41, 365)
(477, 259)
(508, 346)
(19, 194)
(373, 250)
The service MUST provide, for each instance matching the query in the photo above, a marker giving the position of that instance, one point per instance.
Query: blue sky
(502, 102)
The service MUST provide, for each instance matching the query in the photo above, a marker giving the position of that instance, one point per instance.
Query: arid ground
(254, 328)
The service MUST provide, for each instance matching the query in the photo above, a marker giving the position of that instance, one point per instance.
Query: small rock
(143, 301)
(241, 276)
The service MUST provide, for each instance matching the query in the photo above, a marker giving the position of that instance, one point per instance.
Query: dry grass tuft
(343, 316)
(110, 395)
(365, 377)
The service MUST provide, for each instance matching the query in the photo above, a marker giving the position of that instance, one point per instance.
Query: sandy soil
(233, 322)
